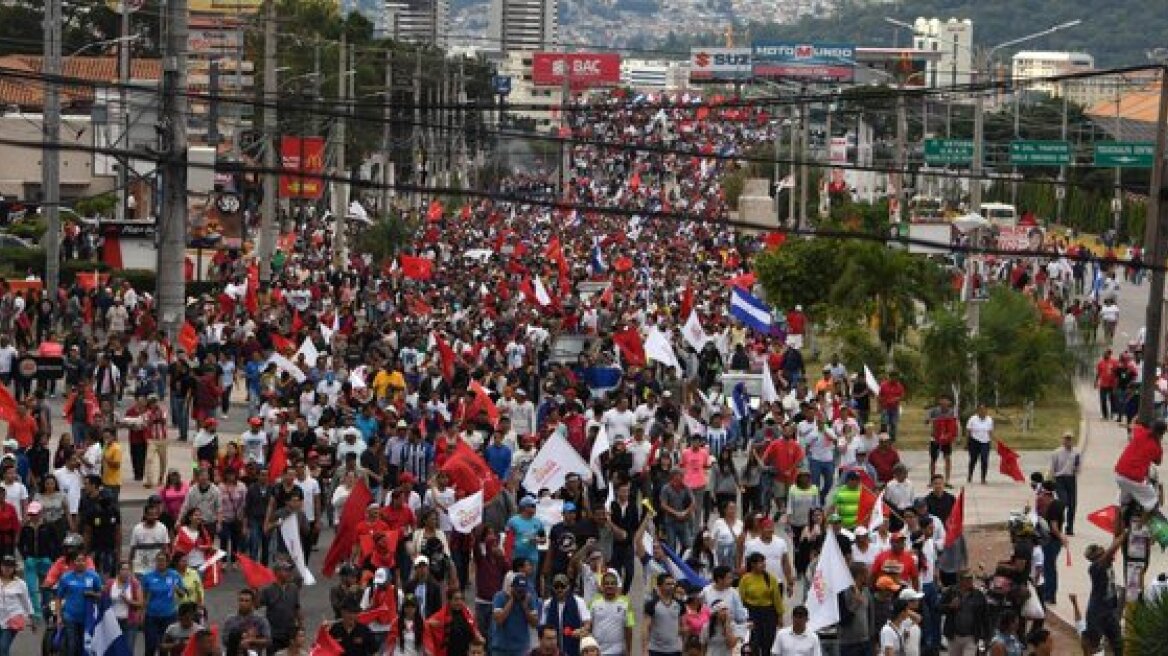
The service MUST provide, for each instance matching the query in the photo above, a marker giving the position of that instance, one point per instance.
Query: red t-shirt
(902, 566)
(784, 456)
(1139, 454)
(23, 428)
(1105, 371)
(891, 392)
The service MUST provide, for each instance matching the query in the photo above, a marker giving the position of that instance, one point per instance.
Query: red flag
(90, 281)
(631, 347)
(213, 575)
(482, 402)
(326, 644)
(346, 536)
(416, 268)
(465, 213)
(384, 612)
(8, 407)
(255, 574)
(282, 344)
(419, 306)
(744, 281)
(192, 647)
(955, 525)
(469, 473)
(687, 302)
(188, 338)
(279, 461)
(1009, 465)
(867, 503)
(446, 354)
(434, 642)
(183, 542)
(1105, 518)
(434, 212)
(703, 113)
(774, 240)
(297, 323)
(509, 544)
(635, 181)
(606, 297)
(622, 264)
(251, 299)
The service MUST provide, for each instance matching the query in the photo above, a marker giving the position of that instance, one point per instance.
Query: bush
(103, 204)
(857, 347)
(19, 261)
(30, 230)
(907, 363)
(70, 269)
(1146, 627)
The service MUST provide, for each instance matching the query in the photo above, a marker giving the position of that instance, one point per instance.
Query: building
(954, 40)
(1038, 64)
(523, 25)
(418, 21)
(216, 62)
(517, 66)
(654, 74)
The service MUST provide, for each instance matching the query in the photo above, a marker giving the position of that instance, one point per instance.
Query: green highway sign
(948, 151)
(1125, 154)
(1040, 153)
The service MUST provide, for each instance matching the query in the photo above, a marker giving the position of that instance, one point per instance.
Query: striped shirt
(717, 438)
(416, 458)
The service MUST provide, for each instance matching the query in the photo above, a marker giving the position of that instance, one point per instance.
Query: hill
(1118, 37)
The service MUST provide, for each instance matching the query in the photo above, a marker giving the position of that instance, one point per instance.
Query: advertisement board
(804, 61)
(1020, 238)
(719, 64)
(302, 156)
(225, 6)
(582, 70)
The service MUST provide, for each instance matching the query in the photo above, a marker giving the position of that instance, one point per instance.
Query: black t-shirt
(1102, 599)
(103, 524)
(358, 642)
(180, 384)
(1055, 513)
(282, 495)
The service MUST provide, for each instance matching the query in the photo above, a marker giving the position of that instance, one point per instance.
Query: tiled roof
(19, 86)
(1138, 105)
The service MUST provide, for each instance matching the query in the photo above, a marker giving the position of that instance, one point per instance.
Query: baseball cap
(887, 584)
(908, 594)
(255, 421)
(569, 507)
(421, 560)
(527, 502)
(561, 579)
(589, 643)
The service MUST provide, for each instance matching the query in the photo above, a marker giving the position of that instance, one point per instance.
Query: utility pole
(565, 148)
(901, 155)
(1154, 240)
(1060, 191)
(792, 217)
(1017, 135)
(825, 187)
(778, 173)
(340, 195)
(1117, 200)
(416, 140)
(172, 226)
(978, 138)
(386, 135)
(123, 193)
(267, 239)
(51, 153)
(804, 155)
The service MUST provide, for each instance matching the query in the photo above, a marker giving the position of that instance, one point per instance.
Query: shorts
(936, 448)
(1142, 492)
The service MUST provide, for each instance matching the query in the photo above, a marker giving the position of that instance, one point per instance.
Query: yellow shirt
(193, 582)
(111, 465)
(761, 590)
(383, 381)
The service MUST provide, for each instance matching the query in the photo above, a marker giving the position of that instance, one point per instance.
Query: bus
(1000, 214)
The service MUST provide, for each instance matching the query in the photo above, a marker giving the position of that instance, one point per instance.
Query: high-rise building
(954, 40)
(1031, 64)
(418, 21)
(523, 25)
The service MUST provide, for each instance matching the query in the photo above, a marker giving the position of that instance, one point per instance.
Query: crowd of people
(371, 390)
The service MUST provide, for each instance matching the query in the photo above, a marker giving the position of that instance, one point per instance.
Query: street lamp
(985, 64)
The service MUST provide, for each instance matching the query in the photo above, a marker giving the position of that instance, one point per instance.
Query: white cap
(908, 594)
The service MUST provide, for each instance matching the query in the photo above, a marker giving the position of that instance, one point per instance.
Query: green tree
(1146, 627)
(801, 272)
(945, 349)
(1019, 354)
(385, 238)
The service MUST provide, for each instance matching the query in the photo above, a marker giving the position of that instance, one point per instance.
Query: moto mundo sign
(804, 61)
(581, 70)
(719, 64)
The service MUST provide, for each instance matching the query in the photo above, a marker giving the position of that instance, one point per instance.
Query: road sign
(948, 151)
(502, 84)
(1125, 154)
(1040, 153)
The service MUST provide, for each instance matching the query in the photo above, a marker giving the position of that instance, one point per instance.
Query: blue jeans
(154, 628)
(73, 642)
(931, 624)
(7, 637)
(823, 475)
(180, 416)
(35, 570)
(891, 419)
(677, 534)
(1050, 554)
(978, 452)
(257, 543)
(130, 632)
(79, 431)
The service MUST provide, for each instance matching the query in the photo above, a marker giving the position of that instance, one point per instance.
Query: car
(12, 241)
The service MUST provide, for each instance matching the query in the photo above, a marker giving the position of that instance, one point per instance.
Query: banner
(1020, 238)
(290, 531)
(582, 70)
(302, 156)
(467, 513)
(719, 64)
(804, 61)
(555, 460)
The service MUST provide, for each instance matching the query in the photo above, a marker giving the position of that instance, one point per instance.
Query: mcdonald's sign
(303, 162)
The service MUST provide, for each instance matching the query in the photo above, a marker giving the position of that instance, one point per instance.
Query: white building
(517, 66)
(523, 25)
(1034, 64)
(418, 21)
(654, 74)
(954, 40)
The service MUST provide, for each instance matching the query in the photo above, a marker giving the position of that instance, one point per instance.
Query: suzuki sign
(582, 70)
(804, 61)
(718, 64)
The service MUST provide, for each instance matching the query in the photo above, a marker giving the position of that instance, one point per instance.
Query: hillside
(1117, 37)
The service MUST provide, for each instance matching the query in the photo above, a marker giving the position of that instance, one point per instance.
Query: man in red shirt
(884, 458)
(1131, 470)
(23, 426)
(890, 395)
(898, 562)
(784, 455)
(1105, 381)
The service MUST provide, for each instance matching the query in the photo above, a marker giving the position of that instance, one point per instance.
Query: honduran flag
(104, 633)
(751, 311)
(596, 259)
(678, 569)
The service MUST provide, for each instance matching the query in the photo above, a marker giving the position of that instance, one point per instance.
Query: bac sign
(582, 70)
(717, 64)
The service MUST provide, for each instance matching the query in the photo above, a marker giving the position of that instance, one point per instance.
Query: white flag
(768, 393)
(876, 518)
(551, 466)
(308, 350)
(466, 513)
(693, 332)
(831, 577)
(357, 377)
(657, 347)
(599, 448)
(870, 380)
(284, 364)
(541, 293)
(290, 531)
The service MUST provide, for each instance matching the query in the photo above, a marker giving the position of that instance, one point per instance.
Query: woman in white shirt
(126, 599)
(727, 530)
(15, 605)
(979, 430)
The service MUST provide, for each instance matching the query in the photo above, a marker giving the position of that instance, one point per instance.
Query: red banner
(302, 156)
(582, 70)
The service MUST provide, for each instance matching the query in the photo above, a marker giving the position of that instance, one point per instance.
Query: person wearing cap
(424, 587)
(515, 611)
(568, 614)
(255, 441)
(1065, 465)
(1103, 609)
(527, 529)
(16, 608)
(899, 560)
(968, 617)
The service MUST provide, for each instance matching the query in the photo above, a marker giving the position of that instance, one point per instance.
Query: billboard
(1020, 238)
(804, 61)
(719, 64)
(225, 6)
(582, 70)
(302, 156)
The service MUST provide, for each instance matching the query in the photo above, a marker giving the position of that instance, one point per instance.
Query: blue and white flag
(104, 634)
(740, 402)
(601, 380)
(750, 311)
(678, 569)
(597, 259)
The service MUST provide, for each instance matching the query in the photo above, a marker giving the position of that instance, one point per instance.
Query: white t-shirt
(1109, 313)
(789, 643)
(867, 557)
(7, 357)
(640, 452)
(70, 484)
(15, 493)
(311, 489)
(980, 429)
(890, 637)
(723, 533)
(142, 535)
(773, 550)
(619, 424)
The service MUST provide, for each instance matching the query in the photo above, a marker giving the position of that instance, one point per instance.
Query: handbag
(1032, 607)
(17, 623)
